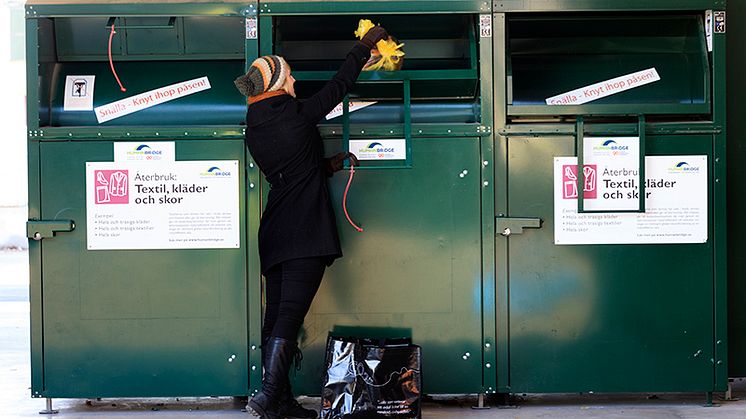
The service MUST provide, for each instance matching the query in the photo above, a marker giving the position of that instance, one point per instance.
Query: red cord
(344, 200)
(111, 62)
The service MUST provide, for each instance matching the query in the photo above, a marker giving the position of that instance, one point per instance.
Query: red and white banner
(149, 99)
(605, 88)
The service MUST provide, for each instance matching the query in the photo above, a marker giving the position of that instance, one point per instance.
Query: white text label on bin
(151, 98)
(170, 205)
(379, 149)
(605, 88)
(352, 105)
(675, 205)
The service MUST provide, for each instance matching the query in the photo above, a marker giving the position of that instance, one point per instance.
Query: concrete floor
(15, 400)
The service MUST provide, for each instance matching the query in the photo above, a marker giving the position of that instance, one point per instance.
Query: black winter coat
(282, 136)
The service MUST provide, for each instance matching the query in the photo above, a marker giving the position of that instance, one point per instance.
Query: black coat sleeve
(320, 104)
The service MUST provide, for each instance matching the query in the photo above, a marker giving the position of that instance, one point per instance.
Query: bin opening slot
(554, 53)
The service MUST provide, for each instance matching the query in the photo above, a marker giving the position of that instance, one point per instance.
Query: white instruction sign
(605, 88)
(353, 106)
(675, 206)
(155, 152)
(171, 205)
(78, 93)
(379, 149)
(149, 99)
(611, 171)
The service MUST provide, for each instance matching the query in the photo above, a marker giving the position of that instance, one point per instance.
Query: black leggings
(290, 288)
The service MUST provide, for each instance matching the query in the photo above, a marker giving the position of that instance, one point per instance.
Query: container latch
(507, 226)
(45, 229)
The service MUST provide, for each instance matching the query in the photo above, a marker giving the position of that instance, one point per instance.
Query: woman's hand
(335, 163)
(374, 35)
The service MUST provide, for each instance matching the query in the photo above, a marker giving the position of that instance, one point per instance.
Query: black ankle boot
(291, 409)
(279, 356)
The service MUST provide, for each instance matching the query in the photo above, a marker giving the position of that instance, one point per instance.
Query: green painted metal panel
(290, 7)
(137, 323)
(736, 186)
(416, 269)
(610, 5)
(139, 9)
(603, 318)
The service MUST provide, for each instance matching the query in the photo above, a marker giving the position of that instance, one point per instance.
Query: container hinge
(507, 226)
(44, 229)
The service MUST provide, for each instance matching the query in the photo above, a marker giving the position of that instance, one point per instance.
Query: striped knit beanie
(266, 74)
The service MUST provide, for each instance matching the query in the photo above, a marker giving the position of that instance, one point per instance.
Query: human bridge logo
(611, 146)
(683, 167)
(146, 152)
(214, 172)
(376, 147)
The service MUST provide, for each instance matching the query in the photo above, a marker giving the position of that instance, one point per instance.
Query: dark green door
(122, 323)
(416, 269)
(601, 318)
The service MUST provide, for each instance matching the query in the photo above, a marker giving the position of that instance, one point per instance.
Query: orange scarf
(266, 95)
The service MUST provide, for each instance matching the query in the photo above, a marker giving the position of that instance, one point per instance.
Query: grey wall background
(13, 176)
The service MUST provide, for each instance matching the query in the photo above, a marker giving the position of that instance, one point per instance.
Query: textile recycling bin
(483, 241)
(137, 213)
(623, 288)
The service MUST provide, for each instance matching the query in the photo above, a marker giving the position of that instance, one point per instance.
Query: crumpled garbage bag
(371, 379)
(387, 55)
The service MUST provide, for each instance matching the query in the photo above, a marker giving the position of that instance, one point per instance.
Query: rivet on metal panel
(334, 132)
(488, 365)
(251, 185)
(69, 134)
(696, 354)
(253, 347)
(186, 133)
(391, 131)
(252, 166)
(362, 131)
(719, 342)
(420, 131)
(720, 362)
(487, 345)
(230, 359)
(717, 180)
(253, 367)
(506, 232)
(128, 134)
(465, 172)
(461, 175)
(485, 163)
(465, 357)
(486, 183)
(449, 131)
(712, 360)
(214, 133)
(99, 134)
(37, 236)
(717, 159)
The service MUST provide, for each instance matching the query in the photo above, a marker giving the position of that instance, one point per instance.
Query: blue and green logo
(215, 172)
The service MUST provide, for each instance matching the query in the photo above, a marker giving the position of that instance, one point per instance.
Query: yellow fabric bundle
(387, 55)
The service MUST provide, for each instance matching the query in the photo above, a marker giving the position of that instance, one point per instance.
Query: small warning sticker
(485, 26)
(251, 28)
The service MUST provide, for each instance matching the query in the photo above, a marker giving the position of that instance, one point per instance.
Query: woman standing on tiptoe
(298, 233)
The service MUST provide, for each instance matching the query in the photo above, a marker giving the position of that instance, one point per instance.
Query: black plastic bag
(367, 378)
